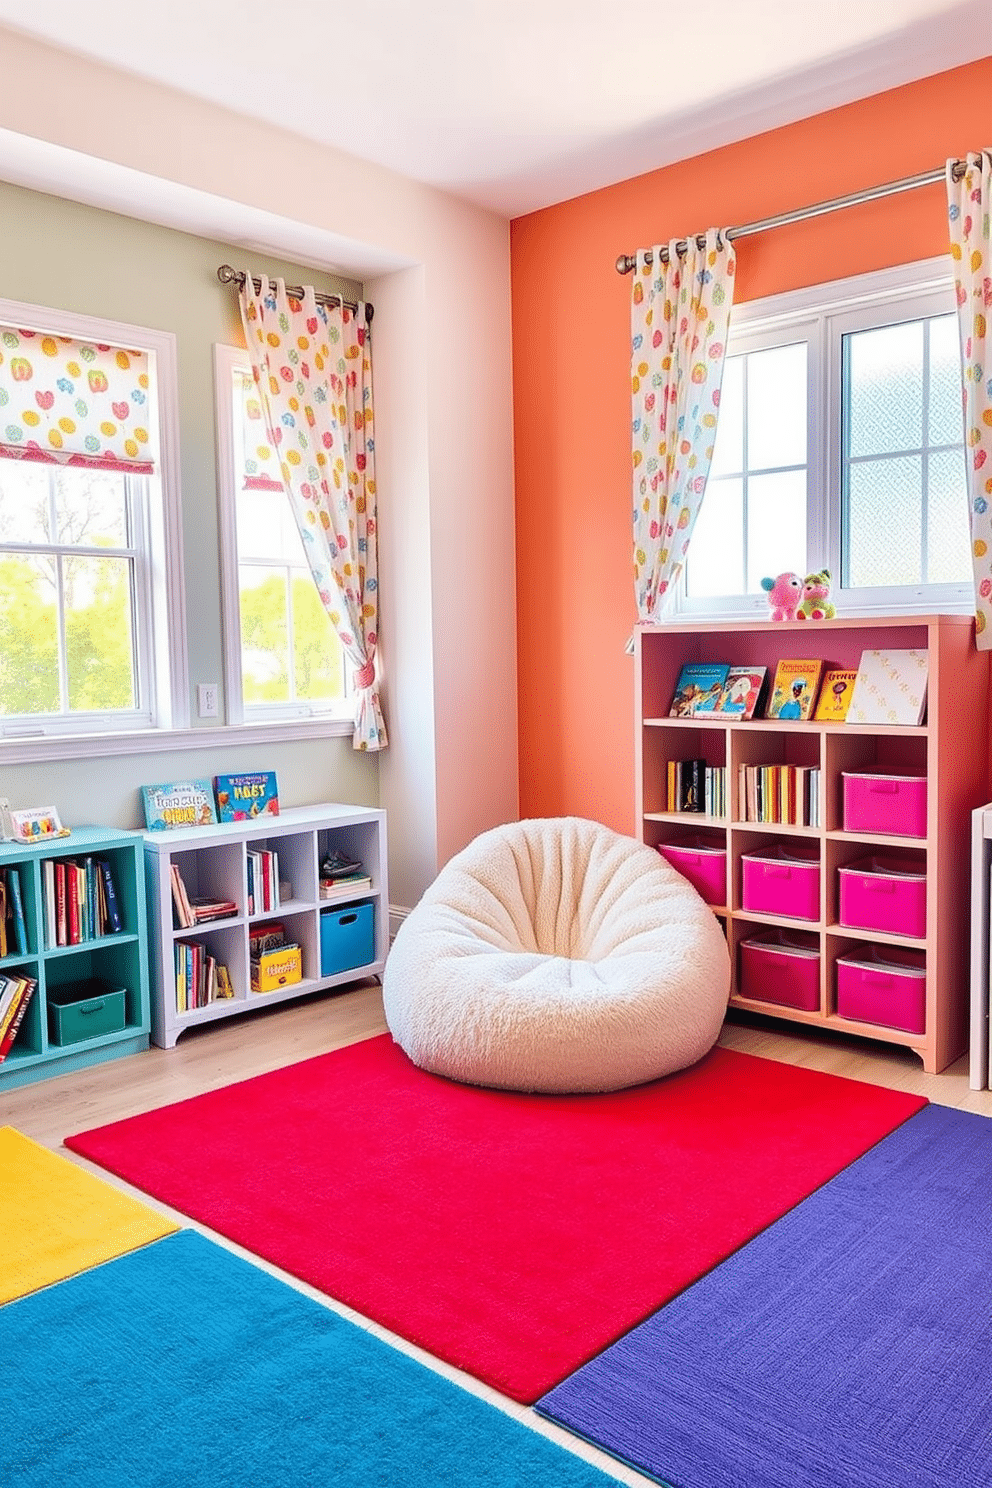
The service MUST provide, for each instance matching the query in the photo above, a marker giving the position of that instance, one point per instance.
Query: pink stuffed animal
(784, 595)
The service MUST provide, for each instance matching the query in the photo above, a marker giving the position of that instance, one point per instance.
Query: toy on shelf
(785, 593)
(816, 603)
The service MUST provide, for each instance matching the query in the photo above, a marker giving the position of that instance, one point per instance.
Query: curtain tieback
(365, 676)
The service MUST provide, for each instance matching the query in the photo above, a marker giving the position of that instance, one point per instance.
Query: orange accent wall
(571, 361)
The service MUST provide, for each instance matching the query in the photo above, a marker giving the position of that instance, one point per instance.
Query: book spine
(72, 905)
(20, 926)
(114, 921)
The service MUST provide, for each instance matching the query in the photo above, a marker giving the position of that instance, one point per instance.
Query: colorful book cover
(794, 692)
(742, 691)
(178, 803)
(243, 797)
(836, 690)
(891, 687)
(698, 689)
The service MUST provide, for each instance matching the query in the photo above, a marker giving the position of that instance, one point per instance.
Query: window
(840, 445)
(90, 567)
(282, 653)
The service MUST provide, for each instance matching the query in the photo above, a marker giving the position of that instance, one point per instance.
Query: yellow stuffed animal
(815, 603)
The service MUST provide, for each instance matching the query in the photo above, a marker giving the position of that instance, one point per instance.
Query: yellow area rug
(57, 1220)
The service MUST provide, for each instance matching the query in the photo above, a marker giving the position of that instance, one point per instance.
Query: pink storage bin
(703, 862)
(885, 985)
(893, 804)
(782, 966)
(782, 880)
(887, 894)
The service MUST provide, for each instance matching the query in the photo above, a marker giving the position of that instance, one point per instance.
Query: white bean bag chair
(559, 956)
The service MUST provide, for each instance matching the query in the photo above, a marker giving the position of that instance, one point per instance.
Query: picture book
(698, 689)
(891, 687)
(178, 803)
(243, 797)
(836, 690)
(794, 692)
(742, 691)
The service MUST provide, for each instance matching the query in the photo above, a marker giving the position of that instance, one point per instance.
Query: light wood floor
(239, 1048)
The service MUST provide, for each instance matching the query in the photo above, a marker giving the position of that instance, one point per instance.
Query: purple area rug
(848, 1346)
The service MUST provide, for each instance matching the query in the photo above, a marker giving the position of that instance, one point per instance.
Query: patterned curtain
(68, 402)
(680, 313)
(970, 204)
(313, 371)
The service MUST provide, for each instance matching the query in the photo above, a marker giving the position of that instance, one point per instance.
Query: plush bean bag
(557, 955)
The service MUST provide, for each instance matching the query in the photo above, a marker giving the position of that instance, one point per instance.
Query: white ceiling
(516, 104)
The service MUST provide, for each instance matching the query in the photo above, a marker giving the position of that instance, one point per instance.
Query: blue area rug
(848, 1346)
(183, 1364)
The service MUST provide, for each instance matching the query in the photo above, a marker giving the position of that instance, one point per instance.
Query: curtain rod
(227, 275)
(626, 263)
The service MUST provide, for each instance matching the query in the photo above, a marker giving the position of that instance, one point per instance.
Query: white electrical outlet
(206, 699)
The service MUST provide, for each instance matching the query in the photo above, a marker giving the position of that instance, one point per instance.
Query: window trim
(167, 686)
(338, 718)
(833, 308)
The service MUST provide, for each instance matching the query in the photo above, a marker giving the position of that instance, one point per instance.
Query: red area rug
(513, 1235)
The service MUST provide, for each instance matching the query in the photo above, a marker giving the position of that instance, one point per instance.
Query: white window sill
(39, 748)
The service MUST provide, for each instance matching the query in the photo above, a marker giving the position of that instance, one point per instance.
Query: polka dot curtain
(312, 365)
(970, 204)
(680, 314)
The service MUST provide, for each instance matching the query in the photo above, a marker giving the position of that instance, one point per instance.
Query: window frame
(828, 311)
(293, 720)
(160, 610)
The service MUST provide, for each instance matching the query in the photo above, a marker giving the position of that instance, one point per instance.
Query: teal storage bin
(347, 938)
(84, 1010)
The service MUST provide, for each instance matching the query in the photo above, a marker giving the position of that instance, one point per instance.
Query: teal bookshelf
(120, 958)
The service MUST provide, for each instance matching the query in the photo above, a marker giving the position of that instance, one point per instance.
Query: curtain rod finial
(624, 264)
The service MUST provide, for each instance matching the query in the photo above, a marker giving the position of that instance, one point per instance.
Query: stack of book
(341, 876)
(785, 794)
(263, 880)
(693, 785)
(13, 930)
(189, 911)
(80, 901)
(15, 994)
(200, 977)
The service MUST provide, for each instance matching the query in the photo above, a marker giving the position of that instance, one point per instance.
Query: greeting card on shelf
(742, 691)
(243, 797)
(794, 692)
(891, 688)
(178, 803)
(699, 688)
(836, 691)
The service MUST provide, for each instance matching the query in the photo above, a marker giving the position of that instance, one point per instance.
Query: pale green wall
(58, 253)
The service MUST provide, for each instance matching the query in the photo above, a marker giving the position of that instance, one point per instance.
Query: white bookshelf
(213, 861)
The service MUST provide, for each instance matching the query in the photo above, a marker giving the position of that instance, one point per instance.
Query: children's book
(836, 690)
(243, 797)
(795, 688)
(178, 803)
(891, 687)
(698, 689)
(742, 691)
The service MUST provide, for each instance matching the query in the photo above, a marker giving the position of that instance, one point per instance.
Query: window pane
(715, 564)
(948, 535)
(728, 452)
(90, 508)
(885, 389)
(267, 527)
(29, 656)
(264, 634)
(776, 525)
(99, 633)
(318, 663)
(884, 522)
(946, 417)
(776, 407)
(24, 514)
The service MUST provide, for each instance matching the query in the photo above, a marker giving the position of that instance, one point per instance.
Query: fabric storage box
(887, 894)
(893, 804)
(82, 1010)
(280, 966)
(347, 938)
(781, 966)
(885, 985)
(783, 880)
(703, 862)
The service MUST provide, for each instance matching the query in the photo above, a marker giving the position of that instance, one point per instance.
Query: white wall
(438, 271)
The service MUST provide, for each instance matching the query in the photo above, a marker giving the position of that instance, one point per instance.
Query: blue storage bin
(347, 938)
